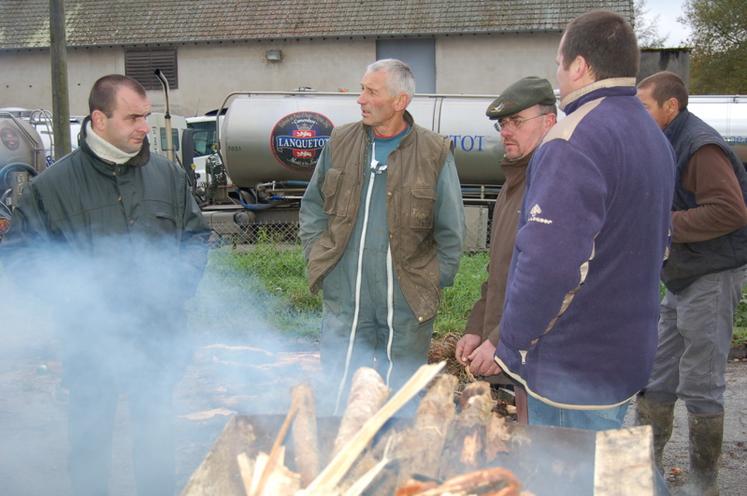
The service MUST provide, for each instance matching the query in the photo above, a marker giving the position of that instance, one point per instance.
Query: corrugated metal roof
(25, 23)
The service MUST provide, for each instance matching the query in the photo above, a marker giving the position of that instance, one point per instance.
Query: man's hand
(481, 360)
(465, 346)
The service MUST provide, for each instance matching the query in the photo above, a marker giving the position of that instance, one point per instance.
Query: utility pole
(60, 100)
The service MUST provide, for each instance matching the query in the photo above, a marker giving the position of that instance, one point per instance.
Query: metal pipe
(167, 116)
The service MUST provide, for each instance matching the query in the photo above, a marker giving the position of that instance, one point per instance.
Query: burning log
(465, 439)
(367, 394)
(495, 481)
(497, 435)
(219, 473)
(421, 445)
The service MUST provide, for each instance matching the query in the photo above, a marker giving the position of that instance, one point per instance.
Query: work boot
(660, 417)
(706, 435)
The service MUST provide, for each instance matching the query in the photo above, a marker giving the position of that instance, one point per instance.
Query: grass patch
(457, 300)
(739, 338)
(280, 269)
(282, 272)
(245, 292)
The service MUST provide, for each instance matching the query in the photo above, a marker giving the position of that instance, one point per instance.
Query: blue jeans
(596, 420)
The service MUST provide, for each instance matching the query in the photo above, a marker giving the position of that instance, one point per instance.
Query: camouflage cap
(521, 95)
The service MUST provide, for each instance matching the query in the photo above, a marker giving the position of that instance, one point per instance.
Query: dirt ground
(224, 379)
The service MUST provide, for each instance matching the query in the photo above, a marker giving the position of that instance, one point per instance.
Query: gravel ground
(733, 465)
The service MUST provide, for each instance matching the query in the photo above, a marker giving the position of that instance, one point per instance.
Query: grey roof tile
(25, 23)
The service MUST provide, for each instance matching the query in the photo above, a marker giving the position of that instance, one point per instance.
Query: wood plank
(219, 474)
(624, 462)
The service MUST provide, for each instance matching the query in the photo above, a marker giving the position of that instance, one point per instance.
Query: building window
(141, 64)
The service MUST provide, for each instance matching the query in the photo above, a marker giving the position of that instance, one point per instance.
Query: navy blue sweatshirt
(582, 303)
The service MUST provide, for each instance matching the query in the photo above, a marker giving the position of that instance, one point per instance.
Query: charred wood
(465, 440)
(420, 446)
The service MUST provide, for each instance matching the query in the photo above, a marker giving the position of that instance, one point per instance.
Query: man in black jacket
(114, 234)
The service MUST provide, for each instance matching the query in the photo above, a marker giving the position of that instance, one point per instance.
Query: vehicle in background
(268, 144)
(204, 139)
(22, 156)
(41, 120)
(270, 141)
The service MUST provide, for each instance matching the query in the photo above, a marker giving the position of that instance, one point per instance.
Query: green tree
(718, 61)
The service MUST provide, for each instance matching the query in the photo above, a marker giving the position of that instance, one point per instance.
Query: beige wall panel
(25, 78)
(488, 64)
(207, 73)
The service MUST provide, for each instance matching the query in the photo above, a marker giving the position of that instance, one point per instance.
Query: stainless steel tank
(20, 142)
(278, 136)
(273, 136)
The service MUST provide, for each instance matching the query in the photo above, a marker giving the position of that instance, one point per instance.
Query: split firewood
(277, 451)
(305, 442)
(367, 393)
(360, 485)
(218, 474)
(465, 440)
(385, 481)
(495, 481)
(327, 482)
(278, 479)
(246, 470)
(421, 445)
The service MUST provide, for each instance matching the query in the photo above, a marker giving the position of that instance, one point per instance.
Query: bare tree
(646, 28)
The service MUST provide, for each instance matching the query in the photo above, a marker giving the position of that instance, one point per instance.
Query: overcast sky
(668, 12)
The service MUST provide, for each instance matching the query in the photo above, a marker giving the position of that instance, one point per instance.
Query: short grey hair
(548, 109)
(401, 78)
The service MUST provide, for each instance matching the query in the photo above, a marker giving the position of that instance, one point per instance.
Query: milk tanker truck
(268, 144)
(22, 156)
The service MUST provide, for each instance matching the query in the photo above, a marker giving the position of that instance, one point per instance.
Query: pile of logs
(440, 451)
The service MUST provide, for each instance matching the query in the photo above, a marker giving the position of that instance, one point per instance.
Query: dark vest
(412, 177)
(689, 261)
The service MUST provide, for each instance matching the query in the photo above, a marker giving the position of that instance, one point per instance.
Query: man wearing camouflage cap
(524, 113)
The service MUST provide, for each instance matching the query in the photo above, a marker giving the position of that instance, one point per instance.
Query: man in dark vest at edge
(703, 276)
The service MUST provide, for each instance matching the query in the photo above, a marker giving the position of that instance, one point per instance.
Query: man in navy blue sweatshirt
(579, 320)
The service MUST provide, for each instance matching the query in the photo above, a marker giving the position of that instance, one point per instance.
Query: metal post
(60, 101)
(167, 116)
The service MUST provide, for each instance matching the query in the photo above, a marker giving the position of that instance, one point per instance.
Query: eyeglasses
(513, 122)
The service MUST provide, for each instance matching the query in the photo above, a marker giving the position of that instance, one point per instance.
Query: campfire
(450, 447)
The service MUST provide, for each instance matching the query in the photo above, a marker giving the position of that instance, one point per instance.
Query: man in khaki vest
(382, 224)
